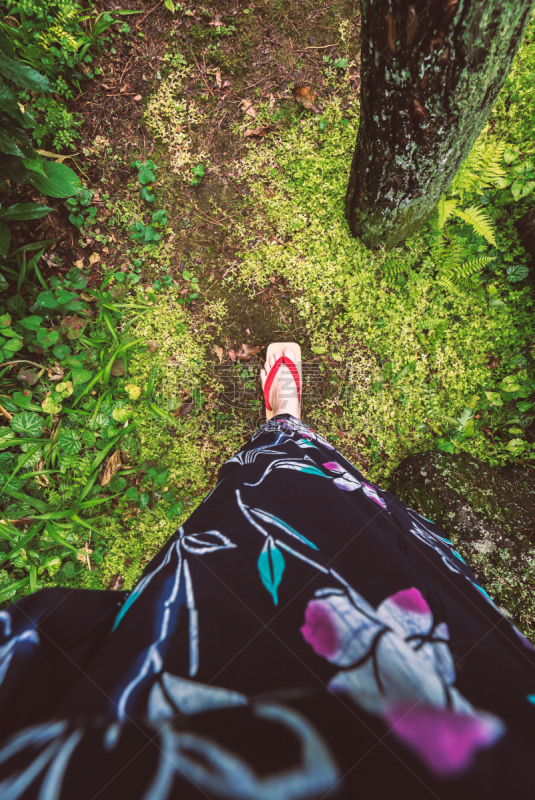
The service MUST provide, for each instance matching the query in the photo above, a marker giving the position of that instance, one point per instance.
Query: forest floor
(247, 114)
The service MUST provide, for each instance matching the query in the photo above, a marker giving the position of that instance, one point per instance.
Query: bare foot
(283, 395)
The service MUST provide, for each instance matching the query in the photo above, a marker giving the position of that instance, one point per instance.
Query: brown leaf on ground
(219, 353)
(185, 409)
(116, 583)
(218, 78)
(55, 373)
(226, 84)
(93, 258)
(152, 346)
(492, 361)
(113, 465)
(28, 376)
(307, 97)
(118, 368)
(74, 326)
(261, 131)
(245, 352)
(137, 98)
(271, 100)
(231, 354)
(247, 107)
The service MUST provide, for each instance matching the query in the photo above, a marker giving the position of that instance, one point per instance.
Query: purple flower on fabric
(370, 492)
(394, 655)
(344, 480)
(445, 740)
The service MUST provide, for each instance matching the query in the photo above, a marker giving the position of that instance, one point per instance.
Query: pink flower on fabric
(344, 480)
(445, 740)
(320, 630)
(370, 492)
(396, 657)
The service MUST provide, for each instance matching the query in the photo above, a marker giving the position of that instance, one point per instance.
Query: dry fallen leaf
(118, 368)
(56, 156)
(93, 258)
(185, 408)
(79, 264)
(87, 297)
(227, 83)
(27, 375)
(113, 465)
(245, 352)
(271, 100)
(247, 107)
(55, 373)
(152, 346)
(247, 331)
(261, 131)
(137, 98)
(219, 353)
(307, 97)
(218, 78)
(231, 354)
(116, 583)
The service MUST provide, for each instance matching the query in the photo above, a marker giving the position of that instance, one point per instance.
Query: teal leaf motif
(265, 516)
(271, 566)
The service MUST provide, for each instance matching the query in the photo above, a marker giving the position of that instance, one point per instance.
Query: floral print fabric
(303, 635)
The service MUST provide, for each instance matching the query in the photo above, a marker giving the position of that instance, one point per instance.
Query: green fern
(445, 210)
(480, 222)
(482, 168)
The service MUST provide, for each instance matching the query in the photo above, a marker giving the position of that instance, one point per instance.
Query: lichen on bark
(430, 74)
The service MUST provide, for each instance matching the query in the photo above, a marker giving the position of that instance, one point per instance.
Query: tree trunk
(430, 75)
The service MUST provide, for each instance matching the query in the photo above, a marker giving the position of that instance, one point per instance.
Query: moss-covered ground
(396, 361)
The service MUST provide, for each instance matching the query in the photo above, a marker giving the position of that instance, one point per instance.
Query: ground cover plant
(208, 221)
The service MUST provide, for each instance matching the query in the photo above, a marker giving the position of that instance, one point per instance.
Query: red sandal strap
(271, 377)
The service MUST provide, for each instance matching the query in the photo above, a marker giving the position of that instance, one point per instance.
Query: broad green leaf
(509, 384)
(12, 346)
(132, 391)
(60, 180)
(61, 351)
(445, 445)
(69, 442)
(517, 272)
(46, 338)
(132, 494)
(121, 414)
(160, 217)
(516, 446)
(81, 376)
(47, 299)
(117, 484)
(271, 567)
(64, 388)
(49, 406)
(147, 195)
(146, 175)
(22, 75)
(175, 509)
(32, 323)
(88, 438)
(22, 399)
(494, 398)
(28, 423)
(22, 211)
(5, 321)
(170, 6)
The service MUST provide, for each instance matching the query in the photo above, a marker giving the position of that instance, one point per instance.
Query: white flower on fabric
(396, 657)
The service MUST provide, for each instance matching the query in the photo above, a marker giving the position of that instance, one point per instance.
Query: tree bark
(430, 74)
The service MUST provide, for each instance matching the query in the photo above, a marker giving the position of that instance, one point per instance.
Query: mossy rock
(488, 513)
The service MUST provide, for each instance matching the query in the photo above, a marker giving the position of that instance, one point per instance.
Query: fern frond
(445, 210)
(448, 254)
(480, 222)
(492, 173)
(470, 267)
(393, 268)
(482, 167)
